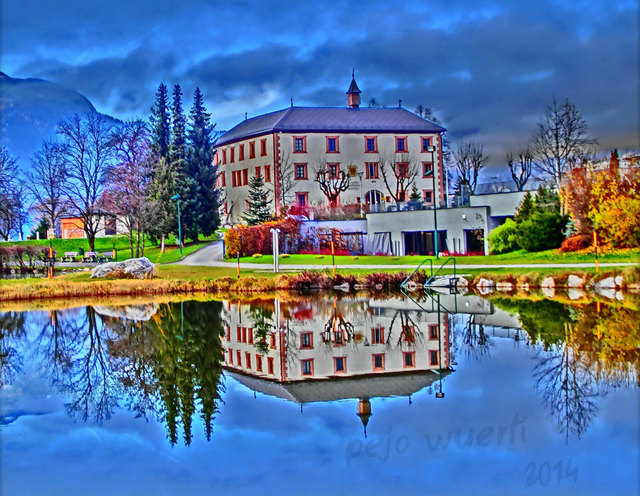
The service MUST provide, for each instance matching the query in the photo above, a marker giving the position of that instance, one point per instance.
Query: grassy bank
(513, 258)
(174, 279)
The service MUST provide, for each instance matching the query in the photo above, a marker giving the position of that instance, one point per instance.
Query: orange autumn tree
(607, 201)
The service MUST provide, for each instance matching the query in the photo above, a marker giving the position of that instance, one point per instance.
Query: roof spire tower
(353, 93)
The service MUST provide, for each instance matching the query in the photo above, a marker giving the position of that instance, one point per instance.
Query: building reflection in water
(314, 351)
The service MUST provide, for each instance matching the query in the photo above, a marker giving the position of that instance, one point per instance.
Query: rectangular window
(250, 335)
(302, 199)
(270, 365)
(228, 333)
(272, 340)
(230, 356)
(224, 157)
(338, 338)
(433, 357)
(239, 357)
(307, 366)
(263, 147)
(258, 171)
(252, 149)
(247, 357)
(340, 365)
(332, 170)
(427, 194)
(370, 144)
(223, 179)
(245, 177)
(299, 144)
(408, 334)
(427, 169)
(244, 334)
(409, 359)
(332, 144)
(426, 143)
(240, 152)
(301, 171)
(433, 331)
(239, 334)
(401, 144)
(258, 363)
(378, 361)
(306, 340)
(377, 335)
(372, 170)
(267, 173)
(403, 170)
(232, 154)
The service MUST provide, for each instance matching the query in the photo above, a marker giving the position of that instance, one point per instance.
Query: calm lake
(444, 394)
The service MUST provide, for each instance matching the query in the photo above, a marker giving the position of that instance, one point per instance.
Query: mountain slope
(30, 110)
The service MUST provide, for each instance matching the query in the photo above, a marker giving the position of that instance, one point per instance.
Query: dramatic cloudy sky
(488, 67)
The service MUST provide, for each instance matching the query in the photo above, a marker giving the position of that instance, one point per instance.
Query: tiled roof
(331, 119)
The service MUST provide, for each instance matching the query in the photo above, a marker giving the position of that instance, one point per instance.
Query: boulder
(618, 280)
(575, 281)
(504, 286)
(485, 283)
(548, 282)
(134, 268)
(606, 283)
(139, 312)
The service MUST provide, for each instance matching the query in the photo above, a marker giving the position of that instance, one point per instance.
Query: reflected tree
(567, 388)
(260, 317)
(475, 342)
(12, 327)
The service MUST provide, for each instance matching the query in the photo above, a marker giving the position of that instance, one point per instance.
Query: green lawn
(517, 257)
(121, 245)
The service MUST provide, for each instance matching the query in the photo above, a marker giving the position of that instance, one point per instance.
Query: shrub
(503, 238)
(257, 255)
(575, 243)
(543, 231)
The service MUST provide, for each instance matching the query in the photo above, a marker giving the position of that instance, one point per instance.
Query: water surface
(453, 394)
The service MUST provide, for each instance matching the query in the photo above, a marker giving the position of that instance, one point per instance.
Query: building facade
(356, 155)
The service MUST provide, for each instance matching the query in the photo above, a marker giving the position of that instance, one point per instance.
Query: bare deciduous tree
(285, 179)
(520, 166)
(561, 140)
(331, 180)
(10, 197)
(87, 151)
(469, 159)
(46, 182)
(399, 173)
(127, 190)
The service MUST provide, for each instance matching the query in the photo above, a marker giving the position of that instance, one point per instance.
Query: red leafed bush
(575, 243)
(257, 239)
(307, 280)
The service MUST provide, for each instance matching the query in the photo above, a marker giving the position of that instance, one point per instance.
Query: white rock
(139, 268)
(130, 312)
(485, 283)
(575, 294)
(575, 281)
(618, 281)
(607, 283)
(504, 286)
(548, 282)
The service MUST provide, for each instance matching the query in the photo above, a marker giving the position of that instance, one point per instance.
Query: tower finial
(292, 102)
(353, 73)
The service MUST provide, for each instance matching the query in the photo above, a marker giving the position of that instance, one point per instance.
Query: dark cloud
(488, 68)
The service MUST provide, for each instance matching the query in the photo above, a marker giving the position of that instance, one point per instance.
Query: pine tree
(415, 195)
(526, 209)
(258, 203)
(160, 128)
(200, 166)
(185, 184)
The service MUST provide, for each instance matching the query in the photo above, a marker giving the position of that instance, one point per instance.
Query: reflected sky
(501, 436)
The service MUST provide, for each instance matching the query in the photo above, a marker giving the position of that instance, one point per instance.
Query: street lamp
(432, 149)
(360, 174)
(177, 197)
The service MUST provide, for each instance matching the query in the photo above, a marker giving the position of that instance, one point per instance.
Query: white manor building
(377, 150)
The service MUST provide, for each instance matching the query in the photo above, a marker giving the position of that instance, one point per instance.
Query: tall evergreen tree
(162, 215)
(160, 128)
(201, 167)
(258, 202)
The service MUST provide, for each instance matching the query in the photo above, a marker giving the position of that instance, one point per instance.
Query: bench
(70, 256)
(90, 256)
(106, 256)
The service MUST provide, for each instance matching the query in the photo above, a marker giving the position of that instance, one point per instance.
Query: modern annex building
(375, 149)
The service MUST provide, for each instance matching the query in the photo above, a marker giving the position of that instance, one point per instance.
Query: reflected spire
(364, 412)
